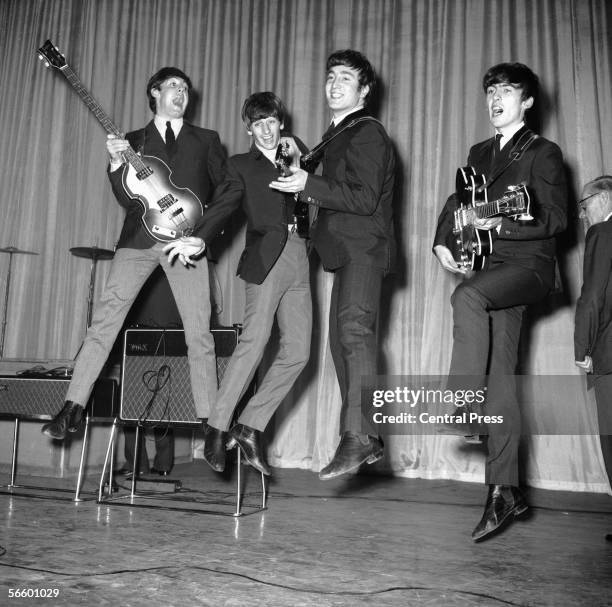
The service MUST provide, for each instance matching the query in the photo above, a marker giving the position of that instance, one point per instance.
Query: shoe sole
(216, 468)
(46, 432)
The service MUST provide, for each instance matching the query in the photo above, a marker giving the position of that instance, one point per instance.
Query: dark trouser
(603, 396)
(353, 316)
(487, 314)
(164, 449)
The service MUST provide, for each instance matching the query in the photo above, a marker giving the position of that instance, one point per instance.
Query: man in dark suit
(274, 266)
(593, 330)
(488, 305)
(197, 162)
(354, 237)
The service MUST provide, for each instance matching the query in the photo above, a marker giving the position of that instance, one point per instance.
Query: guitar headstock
(49, 53)
(516, 202)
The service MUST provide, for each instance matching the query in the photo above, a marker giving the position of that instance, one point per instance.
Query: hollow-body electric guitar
(169, 212)
(473, 245)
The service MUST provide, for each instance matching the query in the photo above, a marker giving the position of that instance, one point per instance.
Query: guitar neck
(496, 207)
(101, 115)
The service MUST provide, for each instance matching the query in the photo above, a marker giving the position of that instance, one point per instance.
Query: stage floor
(368, 540)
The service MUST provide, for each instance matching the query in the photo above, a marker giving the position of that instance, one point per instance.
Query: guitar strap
(310, 161)
(314, 154)
(518, 149)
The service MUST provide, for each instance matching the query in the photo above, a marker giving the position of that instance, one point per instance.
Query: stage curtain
(430, 55)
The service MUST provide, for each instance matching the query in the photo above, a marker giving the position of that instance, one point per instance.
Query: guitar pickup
(166, 202)
(144, 173)
(176, 212)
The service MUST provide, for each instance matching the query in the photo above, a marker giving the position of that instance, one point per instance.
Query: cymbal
(16, 250)
(92, 252)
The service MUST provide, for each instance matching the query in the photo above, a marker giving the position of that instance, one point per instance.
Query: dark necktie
(170, 139)
(497, 143)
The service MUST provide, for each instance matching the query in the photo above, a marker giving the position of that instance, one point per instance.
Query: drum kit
(94, 253)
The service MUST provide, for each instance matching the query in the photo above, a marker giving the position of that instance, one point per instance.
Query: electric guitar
(473, 245)
(169, 212)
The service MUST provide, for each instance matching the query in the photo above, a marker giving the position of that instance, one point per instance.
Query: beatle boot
(504, 502)
(249, 441)
(69, 419)
(351, 453)
(214, 447)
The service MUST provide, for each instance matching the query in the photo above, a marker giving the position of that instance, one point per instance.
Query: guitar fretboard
(130, 155)
(488, 209)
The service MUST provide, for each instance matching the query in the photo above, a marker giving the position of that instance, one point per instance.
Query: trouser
(353, 318)
(284, 294)
(603, 396)
(487, 317)
(164, 449)
(129, 270)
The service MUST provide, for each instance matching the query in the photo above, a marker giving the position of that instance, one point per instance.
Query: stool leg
(136, 460)
(81, 463)
(14, 457)
(263, 490)
(238, 483)
(109, 450)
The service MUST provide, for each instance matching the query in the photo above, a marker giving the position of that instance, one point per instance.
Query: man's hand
(115, 148)
(185, 249)
(293, 149)
(491, 223)
(296, 182)
(586, 364)
(447, 261)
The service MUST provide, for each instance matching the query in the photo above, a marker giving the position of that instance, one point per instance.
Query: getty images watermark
(549, 404)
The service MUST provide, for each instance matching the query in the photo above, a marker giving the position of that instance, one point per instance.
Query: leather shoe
(249, 441)
(503, 503)
(69, 419)
(351, 453)
(214, 447)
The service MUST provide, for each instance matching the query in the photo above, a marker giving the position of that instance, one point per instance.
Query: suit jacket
(198, 163)
(268, 212)
(593, 328)
(354, 196)
(531, 244)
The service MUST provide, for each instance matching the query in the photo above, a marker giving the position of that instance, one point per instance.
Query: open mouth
(497, 111)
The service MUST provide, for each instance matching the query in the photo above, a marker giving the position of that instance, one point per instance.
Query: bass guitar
(473, 245)
(169, 212)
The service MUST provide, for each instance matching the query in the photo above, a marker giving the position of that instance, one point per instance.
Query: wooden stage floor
(368, 540)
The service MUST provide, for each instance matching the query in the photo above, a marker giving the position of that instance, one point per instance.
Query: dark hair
(357, 61)
(517, 74)
(263, 105)
(157, 79)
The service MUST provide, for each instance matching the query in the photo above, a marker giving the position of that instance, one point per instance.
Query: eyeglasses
(582, 204)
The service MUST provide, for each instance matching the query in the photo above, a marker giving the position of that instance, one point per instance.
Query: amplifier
(155, 380)
(42, 397)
